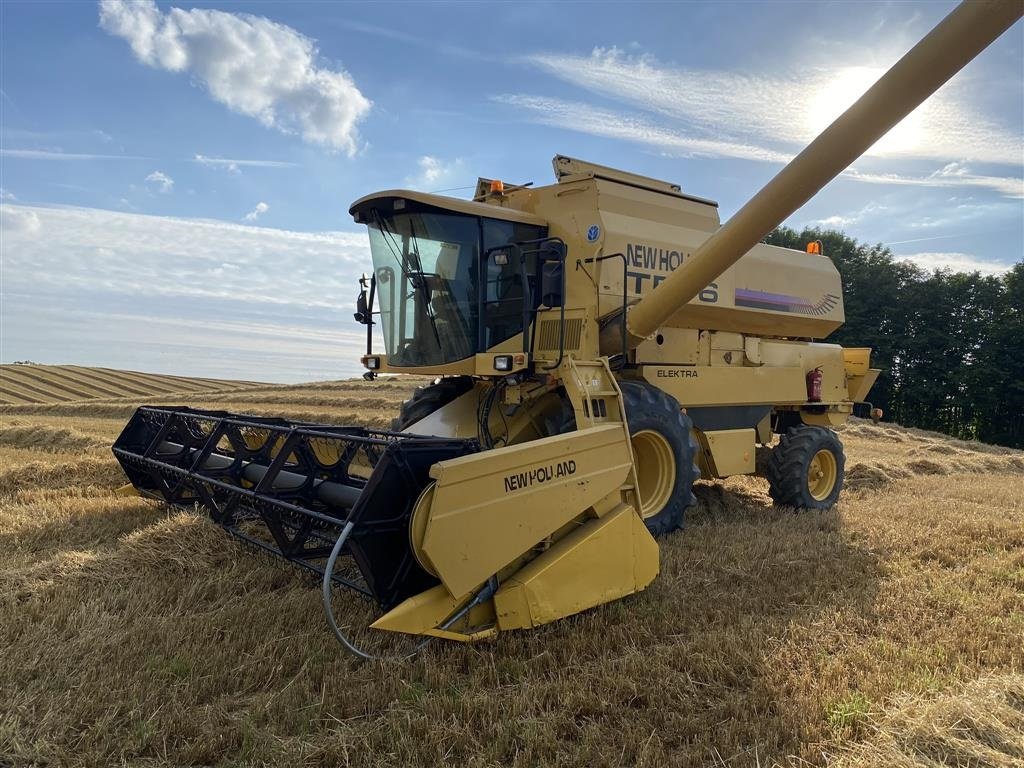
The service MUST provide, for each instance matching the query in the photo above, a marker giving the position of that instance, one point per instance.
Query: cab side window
(503, 287)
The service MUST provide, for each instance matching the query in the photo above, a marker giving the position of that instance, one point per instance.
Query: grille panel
(549, 334)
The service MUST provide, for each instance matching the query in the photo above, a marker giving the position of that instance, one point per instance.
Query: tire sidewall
(790, 487)
(648, 408)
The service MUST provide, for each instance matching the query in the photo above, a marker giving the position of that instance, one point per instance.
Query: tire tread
(786, 468)
(636, 395)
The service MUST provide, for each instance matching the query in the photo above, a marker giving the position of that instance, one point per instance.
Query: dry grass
(887, 632)
(981, 723)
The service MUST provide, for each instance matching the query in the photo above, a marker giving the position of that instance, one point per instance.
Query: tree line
(950, 344)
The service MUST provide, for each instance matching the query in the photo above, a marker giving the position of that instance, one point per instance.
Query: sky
(175, 179)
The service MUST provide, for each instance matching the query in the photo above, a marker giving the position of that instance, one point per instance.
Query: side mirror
(362, 314)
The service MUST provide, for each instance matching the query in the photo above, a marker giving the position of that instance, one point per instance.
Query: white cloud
(230, 166)
(1007, 186)
(835, 222)
(956, 262)
(7, 196)
(175, 256)
(434, 173)
(18, 220)
(235, 166)
(707, 101)
(161, 180)
(47, 154)
(785, 110)
(952, 170)
(256, 212)
(924, 239)
(584, 118)
(194, 296)
(578, 116)
(250, 64)
(431, 169)
(842, 222)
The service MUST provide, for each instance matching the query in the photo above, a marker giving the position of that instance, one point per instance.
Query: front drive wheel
(665, 451)
(806, 468)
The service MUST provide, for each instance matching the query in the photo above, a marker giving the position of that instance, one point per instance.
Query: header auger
(599, 343)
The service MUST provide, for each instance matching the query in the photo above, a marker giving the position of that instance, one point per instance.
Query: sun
(838, 91)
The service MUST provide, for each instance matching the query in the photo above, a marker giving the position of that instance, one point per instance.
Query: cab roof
(454, 204)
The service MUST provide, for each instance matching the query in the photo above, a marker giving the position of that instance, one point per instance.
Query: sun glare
(837, 92)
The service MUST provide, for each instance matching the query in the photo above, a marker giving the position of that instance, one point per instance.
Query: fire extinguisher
(814, 386)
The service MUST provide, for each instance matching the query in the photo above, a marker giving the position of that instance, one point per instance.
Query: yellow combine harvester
(600, 344)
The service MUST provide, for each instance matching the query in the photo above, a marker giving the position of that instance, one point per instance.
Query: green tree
(950, 345)
(1001, 385)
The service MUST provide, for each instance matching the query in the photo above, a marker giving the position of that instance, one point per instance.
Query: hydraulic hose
(328, 609)
(486, 593)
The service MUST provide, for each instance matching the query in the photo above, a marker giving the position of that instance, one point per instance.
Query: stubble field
(887, 632)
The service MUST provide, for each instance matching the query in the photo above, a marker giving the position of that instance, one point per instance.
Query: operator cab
(446, 286)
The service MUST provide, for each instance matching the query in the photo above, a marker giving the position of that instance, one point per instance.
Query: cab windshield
(443, 295)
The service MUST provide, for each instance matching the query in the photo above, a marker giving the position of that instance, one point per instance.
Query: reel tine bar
(289, 488)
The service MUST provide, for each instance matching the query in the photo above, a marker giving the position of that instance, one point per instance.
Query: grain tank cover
(657, 227)
(772, 291)
(569, 169)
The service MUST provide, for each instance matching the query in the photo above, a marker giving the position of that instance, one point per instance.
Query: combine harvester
(601, 343)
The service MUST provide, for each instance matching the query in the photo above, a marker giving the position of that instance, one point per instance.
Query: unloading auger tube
(963, 34)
